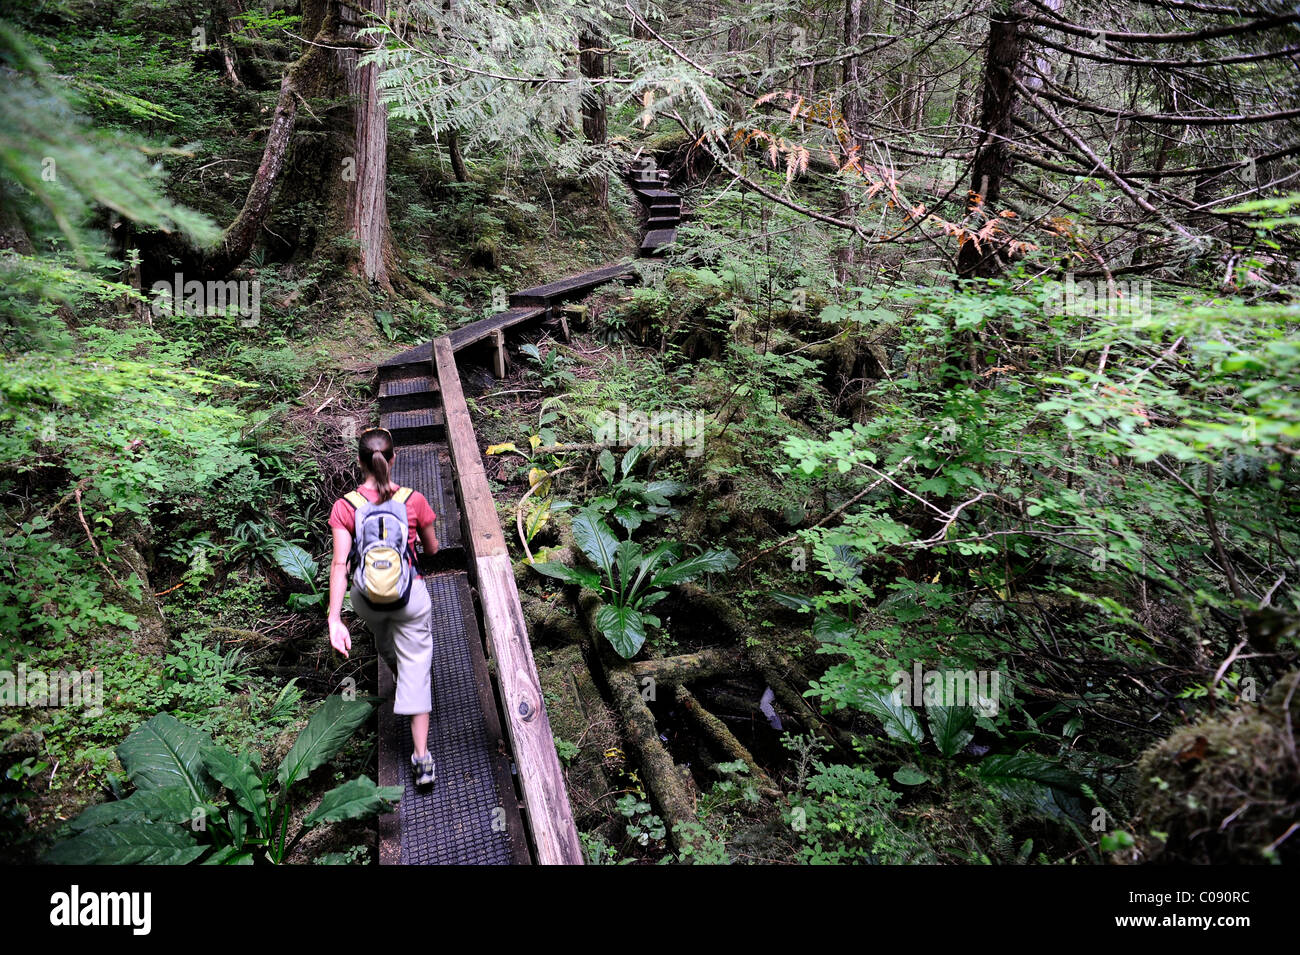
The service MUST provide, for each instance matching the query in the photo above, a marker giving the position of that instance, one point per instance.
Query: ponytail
(375, 454)
(379, 466)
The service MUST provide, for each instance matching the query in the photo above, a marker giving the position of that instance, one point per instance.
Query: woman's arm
(429, 538)
(339, 636)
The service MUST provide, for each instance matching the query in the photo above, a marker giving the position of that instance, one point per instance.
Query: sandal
(422, 769)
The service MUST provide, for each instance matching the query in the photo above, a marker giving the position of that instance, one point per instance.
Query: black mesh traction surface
(415, 385)
(462, 820)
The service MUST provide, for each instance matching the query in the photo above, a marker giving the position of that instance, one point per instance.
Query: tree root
(669, 784)
(721, 736)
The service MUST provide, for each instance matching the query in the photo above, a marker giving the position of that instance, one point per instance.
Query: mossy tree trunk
(367, 174)
(595, 121)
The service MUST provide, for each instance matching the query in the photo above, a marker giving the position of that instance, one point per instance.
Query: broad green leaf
(658, 492)
(305, 601)
(910, 776)
(791, 601)
(606, 464)
(626, 558)
(355, 799)
(239, 776)
(623, 627)
(229, 855)
(629, 517)
(713, 561)
(832, 628)
(329, 728)
(131, 843)
(665, 488)
(899, 720)
(237, 820)
(595, 539)
(570, 575)
(164, 753)
(1004, 770)
(951, 727)
(664, 553)
(295, 562)
(144, 805)
(630, 459)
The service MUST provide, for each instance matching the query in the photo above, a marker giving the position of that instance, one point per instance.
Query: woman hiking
(386, 589)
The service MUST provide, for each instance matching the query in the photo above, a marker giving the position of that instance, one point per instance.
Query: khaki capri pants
(404, 639)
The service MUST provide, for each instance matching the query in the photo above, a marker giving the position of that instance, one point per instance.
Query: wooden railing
(546, 802)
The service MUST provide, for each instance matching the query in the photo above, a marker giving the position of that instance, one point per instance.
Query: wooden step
(656, 241)
(486, 327)
(419, 426)
(656, 193)
(408, 364)
(661, 222)
(572, 287)
(407, 394)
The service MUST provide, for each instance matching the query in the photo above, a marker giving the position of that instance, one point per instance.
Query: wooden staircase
(663, 207)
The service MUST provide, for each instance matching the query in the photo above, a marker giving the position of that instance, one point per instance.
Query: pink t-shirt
(418, 514)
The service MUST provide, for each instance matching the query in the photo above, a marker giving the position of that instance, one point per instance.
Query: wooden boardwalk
(500, 796)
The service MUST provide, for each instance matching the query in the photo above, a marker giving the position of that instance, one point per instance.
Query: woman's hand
(340, 638)
(429, 538)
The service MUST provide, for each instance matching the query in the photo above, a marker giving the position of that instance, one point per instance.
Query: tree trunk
(687, 667)
(237, 241)
(670, 785)
(367, 201)
(993, 161)
(225, 48)
(736, 105)
(725, 741)
(853, 111)
(903, 26)
(854, 122)
(452, 141)
(595, 120)
(350, 177)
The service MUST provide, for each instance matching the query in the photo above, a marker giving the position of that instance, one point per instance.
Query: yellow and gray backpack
(381, 569)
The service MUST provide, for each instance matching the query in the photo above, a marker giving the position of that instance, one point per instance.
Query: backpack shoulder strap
(402, 494)
(355, 498)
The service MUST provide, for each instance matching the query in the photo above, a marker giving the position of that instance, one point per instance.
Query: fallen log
(687, 667)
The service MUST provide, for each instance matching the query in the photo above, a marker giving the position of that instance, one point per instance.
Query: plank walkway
(499, 797)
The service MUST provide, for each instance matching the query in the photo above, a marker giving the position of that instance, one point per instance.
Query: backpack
(381, 569)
